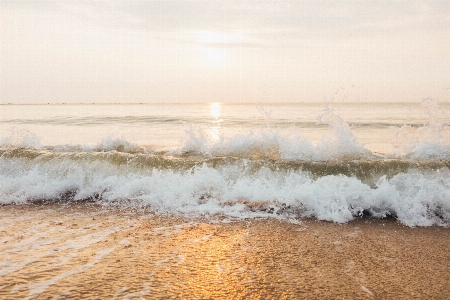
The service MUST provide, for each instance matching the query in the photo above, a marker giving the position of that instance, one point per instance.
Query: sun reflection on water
(215, 108)
(215, 112)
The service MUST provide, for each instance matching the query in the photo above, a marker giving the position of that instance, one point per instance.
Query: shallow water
(86, 251)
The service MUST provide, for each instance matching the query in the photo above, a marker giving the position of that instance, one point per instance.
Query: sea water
(329, 161)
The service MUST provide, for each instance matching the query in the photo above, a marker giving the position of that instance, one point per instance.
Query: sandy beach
(86, 251)
(224, 150)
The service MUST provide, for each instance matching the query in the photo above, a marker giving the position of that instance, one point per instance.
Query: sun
(213, 46)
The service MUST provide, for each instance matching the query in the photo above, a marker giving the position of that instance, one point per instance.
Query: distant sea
(329, 161)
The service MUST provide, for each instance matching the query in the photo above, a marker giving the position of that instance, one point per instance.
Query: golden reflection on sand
(213, 268)
(85, 251)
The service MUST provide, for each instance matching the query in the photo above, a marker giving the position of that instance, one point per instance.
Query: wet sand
(84, 251)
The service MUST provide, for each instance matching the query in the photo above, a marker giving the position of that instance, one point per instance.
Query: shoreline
(86, 251)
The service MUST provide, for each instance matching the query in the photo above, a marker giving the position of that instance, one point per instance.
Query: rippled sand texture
(84, 251)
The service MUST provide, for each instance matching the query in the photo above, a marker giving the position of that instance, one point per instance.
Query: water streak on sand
(39, 287)
(204, 259)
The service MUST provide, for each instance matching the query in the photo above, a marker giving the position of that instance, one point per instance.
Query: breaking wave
(417, 193)
(265, 173)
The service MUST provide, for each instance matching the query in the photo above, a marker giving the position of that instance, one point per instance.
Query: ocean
(289, 161)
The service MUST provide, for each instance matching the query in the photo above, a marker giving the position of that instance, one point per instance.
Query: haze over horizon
(231, 51)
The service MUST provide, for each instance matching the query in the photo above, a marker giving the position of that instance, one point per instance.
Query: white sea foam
(415, 198)
(429, 142)
(291, 144)
(20, 138)
(428, 151)
(272, 143)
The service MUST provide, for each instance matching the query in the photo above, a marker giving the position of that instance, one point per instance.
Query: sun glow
(213, 45)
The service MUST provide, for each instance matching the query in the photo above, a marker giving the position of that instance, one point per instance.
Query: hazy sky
(225, 51)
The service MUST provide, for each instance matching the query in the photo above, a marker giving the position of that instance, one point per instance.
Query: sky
(224, 51)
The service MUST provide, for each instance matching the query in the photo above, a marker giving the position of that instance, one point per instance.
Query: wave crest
(234, 188)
